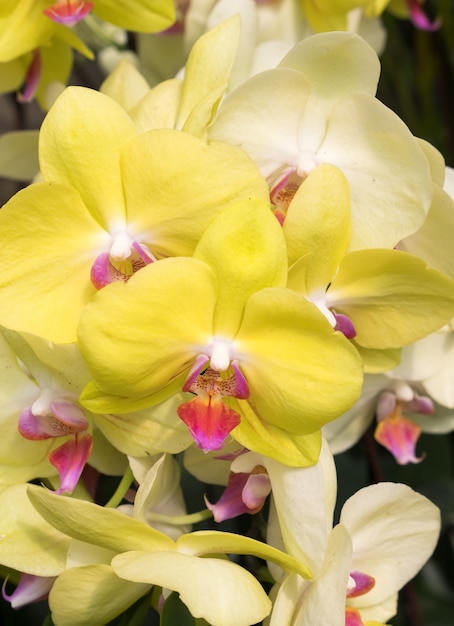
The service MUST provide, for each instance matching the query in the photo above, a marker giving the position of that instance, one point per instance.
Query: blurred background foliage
(417, 82)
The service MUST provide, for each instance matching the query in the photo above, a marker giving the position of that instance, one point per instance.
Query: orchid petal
(206, 542)
(304, 499)
(206, 77)
(375, 165)
(437, 228)
(323, 198)
(244, 246)
(209, 421)
(125, 85)
(80, 143)
(385, 294)
(172, 340)
(93, 524)
(70, 459)
(159, 107)
(147, 432)
(405, 527)
(292, 394)
(331, 583)
(160, 492)
(323, 59)
(274, 442)
(46, 260)
(269, 144)
(28, 543)
(220, 591)
(148, 16)
(92, 594)
(175, 204)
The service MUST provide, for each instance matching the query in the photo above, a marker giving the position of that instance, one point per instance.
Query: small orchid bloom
(247, 488)
(385, 534)
(143, 556)
(53, 414)
(239, 321)
(320, 98)
(398, 433)
(112, 202)
(414, 397)
(45, 433)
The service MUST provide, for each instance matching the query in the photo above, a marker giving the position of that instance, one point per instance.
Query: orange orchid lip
(68, 12)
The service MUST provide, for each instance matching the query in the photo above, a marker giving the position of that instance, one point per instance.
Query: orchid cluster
(222, 276)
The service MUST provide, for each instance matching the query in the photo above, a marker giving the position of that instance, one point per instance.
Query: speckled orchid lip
(207, 416)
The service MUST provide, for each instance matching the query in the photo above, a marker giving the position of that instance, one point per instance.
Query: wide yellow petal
(218, 590)
(245, 248)
(300, 372)
(29, 543)
(49, 243)
(175, 184)
(146, 16)
(137, 337)
(318, 222)
(392, 297)
(91, 594)
(80, 143)
(274, 442)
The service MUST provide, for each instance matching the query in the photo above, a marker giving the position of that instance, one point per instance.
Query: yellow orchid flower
(111, 202)
(258, 356)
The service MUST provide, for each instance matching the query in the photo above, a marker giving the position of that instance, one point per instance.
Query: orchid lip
(68, 12)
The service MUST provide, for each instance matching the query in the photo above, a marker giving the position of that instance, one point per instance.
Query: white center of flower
(403, 391)
(41, 406)
(220, 352)
(320, 303)
(120, 249)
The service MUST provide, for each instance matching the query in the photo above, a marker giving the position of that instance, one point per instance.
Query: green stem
(122, 488)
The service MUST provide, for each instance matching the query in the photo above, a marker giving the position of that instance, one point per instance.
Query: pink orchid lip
(399, 435)
(70, 459)
(60, 418)
(209, 419)
(106, 270)
(352, 617)
(68, 12)
(283, 191)
(245, 493)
